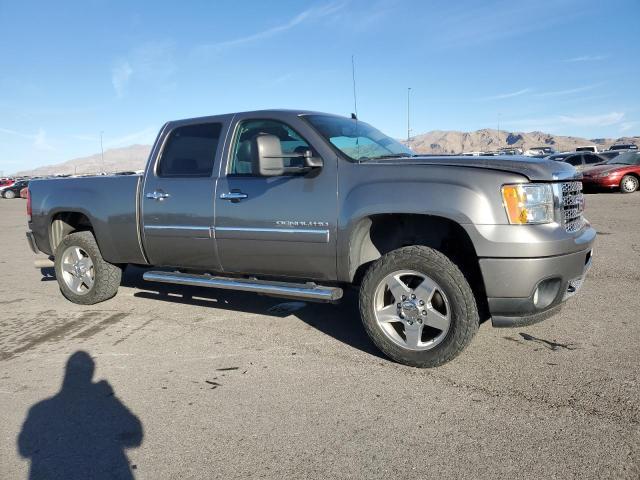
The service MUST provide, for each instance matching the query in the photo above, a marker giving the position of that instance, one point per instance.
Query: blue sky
(69, 70)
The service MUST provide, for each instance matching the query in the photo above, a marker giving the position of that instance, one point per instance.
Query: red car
(621, 172)
(5, 182)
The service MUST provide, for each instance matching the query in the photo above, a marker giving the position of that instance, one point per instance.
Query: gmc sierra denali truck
(303, 204)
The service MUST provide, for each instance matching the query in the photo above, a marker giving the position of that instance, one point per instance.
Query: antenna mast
(408, 115)
(353, 77)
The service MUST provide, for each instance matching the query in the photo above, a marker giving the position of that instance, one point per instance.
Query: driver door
(280, 225)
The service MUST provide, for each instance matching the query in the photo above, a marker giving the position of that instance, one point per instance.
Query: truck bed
(110, 203)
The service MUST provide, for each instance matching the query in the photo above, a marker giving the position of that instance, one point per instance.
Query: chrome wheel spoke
(436, 319)
(67, 267)
(87, 280)
(425, 290)
(388, 314)
(75, 283)
(398, 287)
(413, 333)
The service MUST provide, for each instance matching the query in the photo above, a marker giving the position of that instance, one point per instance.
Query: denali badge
(297, 223)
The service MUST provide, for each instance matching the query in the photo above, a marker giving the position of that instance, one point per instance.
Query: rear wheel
(83, 275)
(417, 307)
(9, 194)
(629, 184)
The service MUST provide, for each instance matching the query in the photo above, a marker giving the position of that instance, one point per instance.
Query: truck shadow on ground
(82, 431)
(340, 321)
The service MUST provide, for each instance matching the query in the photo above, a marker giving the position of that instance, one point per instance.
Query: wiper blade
(390, 155)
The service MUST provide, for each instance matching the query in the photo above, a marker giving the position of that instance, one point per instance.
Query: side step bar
(308, 291)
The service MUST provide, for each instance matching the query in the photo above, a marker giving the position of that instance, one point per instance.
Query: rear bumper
(523, 291)
(32, 242)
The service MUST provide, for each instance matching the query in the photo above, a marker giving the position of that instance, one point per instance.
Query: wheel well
(65, 223)
(378, 234)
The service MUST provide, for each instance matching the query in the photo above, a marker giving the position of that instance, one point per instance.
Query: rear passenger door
(177, 205)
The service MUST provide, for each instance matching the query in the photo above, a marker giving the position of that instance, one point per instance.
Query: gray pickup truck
(303, 204)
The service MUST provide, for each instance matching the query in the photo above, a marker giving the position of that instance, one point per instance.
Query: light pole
(101, 151)
(408, 114)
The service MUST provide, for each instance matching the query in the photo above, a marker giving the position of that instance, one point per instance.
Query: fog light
(535, 296)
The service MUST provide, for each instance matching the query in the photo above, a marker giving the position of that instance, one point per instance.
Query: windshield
(356, 139)
(627, 158)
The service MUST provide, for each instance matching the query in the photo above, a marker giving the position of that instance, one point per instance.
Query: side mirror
(268, 158)
(267, 155)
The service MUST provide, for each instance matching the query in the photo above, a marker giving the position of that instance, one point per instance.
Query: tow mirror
(267, 155)
(269, 159)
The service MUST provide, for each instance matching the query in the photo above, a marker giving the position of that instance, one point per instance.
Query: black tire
(9, 194)
(107, 277)
(464, 318)
(629, 184)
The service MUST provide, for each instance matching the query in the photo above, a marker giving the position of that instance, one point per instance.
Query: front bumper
(523, 291)
(612, 181)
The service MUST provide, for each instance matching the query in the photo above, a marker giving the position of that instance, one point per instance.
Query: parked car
(587, 148)
(5, 182)
(621, 172)
(539, 152)
(13, 190)
(304, 204)
(609, 154)
(579, 160)
(624, 146)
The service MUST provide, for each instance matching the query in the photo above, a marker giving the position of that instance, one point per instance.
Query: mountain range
(134, 157)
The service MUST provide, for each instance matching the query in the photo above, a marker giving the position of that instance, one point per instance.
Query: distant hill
(129, 158)
(134, 157)
(488, 139)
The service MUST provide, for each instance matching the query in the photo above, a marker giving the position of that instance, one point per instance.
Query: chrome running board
(307, 291)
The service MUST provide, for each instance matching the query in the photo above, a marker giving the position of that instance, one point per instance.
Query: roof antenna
(355, 98)
(354, 115)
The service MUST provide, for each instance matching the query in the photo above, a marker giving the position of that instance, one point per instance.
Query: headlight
(605, 174)
(528, 203)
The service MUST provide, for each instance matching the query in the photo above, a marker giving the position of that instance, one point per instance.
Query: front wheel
(417, 307)
(9, 194)
(629, 184)
(83, 275)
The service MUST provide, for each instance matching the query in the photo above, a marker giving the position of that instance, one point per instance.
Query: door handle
(233, 196)
(157, 195)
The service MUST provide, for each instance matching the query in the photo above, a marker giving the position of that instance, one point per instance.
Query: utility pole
(408, 115)
(101, 151)
(499, 140)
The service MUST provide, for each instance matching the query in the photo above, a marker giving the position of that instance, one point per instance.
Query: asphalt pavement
(176, 382)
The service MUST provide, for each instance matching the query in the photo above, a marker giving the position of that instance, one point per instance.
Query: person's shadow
(82, 431)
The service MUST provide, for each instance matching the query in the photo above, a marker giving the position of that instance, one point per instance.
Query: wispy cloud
(603, 120)
(559, 121)
(571, 91)
(586, 58)
(120, 75)
(507, 95)
(145, 135)
(463, 25)
(626, 126)
(312, 13)
(151, 63)
(38, 139)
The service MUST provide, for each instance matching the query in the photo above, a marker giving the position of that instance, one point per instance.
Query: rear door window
(190, 151)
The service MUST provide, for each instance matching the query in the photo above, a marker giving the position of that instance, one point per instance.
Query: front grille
(572, 206)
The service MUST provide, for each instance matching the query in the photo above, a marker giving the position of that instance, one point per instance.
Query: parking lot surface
(198, 383)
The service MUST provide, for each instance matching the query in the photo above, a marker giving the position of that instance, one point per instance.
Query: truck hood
(535, 169)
